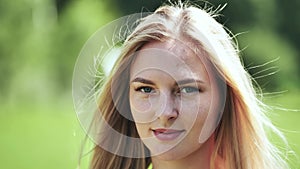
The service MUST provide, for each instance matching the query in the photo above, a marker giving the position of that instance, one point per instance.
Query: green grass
(39, 138)
(49, 137)
(286, 118)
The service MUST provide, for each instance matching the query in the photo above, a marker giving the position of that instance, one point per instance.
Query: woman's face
(170, 99)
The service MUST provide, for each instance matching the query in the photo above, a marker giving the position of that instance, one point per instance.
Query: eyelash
(180, 90)
(142, 89)
(194, 89)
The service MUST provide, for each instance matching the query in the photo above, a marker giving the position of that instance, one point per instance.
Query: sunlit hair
(240, 139)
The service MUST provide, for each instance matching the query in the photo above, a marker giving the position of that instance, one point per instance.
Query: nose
(168, 112)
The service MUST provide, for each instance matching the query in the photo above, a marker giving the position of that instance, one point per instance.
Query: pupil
(189, 89)
(147, 89)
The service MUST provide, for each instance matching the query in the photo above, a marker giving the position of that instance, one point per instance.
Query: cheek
(197, 107)
(140, 105)
(194, 113)
(141, 108)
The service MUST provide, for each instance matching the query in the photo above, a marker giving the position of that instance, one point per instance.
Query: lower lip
(167, 136)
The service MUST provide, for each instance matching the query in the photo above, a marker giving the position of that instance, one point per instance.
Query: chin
(179, 152)
(171, 155)
(168, 156)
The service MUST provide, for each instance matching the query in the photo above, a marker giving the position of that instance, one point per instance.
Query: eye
(145, 89)
(189, 89)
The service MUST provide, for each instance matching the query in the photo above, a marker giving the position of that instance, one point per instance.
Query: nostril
(172, 117)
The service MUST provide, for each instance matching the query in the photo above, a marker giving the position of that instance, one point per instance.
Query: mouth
(167, 134)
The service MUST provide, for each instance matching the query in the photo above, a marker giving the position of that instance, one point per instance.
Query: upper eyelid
(194, 87)
(142, 85)
(148, 83)
(137, 85)
(199, 86)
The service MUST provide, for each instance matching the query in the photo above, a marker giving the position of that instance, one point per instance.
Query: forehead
(179, 49)
(172, 56)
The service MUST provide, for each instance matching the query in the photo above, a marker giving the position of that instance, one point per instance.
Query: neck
(199, 159)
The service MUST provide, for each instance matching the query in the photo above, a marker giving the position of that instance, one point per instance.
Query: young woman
(179, 97)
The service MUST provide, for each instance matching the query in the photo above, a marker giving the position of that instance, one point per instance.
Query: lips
(166, 134)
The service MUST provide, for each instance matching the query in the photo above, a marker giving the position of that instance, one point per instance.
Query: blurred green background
(41, 39)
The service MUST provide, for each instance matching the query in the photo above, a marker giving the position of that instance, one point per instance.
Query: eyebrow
(187, 81)
(180, 82)
(142, 80)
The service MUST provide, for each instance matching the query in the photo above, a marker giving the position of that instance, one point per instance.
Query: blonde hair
(241, 138)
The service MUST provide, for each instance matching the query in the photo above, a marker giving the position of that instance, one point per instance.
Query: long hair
(240, 138)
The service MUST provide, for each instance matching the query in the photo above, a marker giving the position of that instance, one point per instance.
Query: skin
(170, 89)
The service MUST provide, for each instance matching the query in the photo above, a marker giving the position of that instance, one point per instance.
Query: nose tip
(168, 111)
(168, 117)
